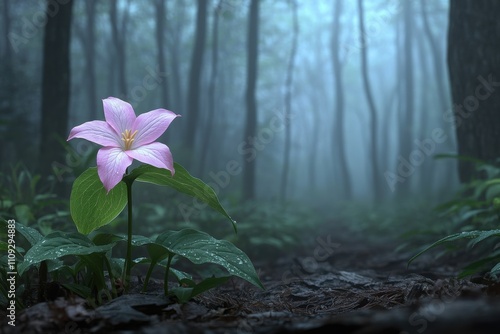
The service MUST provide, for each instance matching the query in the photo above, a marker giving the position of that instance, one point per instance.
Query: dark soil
(339, 284)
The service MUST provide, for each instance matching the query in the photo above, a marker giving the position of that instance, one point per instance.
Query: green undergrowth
(474, 214)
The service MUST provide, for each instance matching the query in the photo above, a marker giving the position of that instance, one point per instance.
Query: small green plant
(475, 213)
(24, 197)
(83, 261)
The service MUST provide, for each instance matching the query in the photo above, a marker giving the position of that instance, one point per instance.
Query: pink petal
(98, 132)
(112, 163)
(119, 114)
(154, 154)
(151, 125)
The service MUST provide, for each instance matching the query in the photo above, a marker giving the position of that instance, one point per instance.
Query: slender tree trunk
(313, 152)
(90, 58)
(118, 33)
(160, 43)
(7, 61)
(406, 126)
(55, 88)
(339, 149)
(174, 51)
(373, 155)
(251, 117)
(193, 100)
(423, 179)
(211, 89)
(8, 79)
(288, 103)
(474, 69)
(440, 75)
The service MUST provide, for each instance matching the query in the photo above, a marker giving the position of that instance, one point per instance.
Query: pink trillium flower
(126, 137)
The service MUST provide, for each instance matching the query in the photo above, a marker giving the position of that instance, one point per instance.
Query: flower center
(128, 138)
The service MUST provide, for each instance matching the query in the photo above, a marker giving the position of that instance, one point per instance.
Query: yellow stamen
(128, 138)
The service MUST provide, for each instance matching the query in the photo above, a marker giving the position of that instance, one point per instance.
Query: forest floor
(343, 283)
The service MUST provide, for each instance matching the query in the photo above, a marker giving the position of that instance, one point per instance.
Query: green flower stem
(111, 277)
(148, 276)
(167, 270)
(128, 259)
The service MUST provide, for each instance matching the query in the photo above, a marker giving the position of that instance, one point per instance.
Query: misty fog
(406, 73)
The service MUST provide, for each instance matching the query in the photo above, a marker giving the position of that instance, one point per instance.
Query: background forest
(366, 129)
(292, 96)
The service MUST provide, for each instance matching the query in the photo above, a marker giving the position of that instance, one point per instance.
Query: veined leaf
(91, 206)
(199, 247)
(32, 235)
(183, 182)
(57, 245)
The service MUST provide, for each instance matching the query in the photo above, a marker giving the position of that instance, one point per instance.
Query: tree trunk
(423, 178)
(118, 34)
(211, 89)
(338, 137)
(193, 100)
(55, 88)
(7, 69)
(7, 49)
(405, 121)
(90, 59)
(373, 155)
(439, 75)
(288, 102)
(160, 43)
(174, 51)
(474, 69)
(251, 117)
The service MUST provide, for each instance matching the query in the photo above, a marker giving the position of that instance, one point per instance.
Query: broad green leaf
(183, 182)
(32, 235)
(106, 238)
(91, 206)
(199, 247)
(57, 245)
(180, 275)
(139, 240)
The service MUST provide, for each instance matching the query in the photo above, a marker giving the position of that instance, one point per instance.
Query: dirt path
(337, 285)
